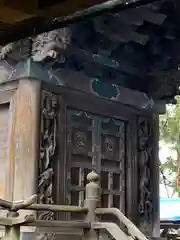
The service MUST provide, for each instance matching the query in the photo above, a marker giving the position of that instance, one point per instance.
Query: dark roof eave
(37, 25)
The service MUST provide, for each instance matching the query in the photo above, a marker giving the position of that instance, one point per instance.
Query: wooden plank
(155, 177)
(60, 164)
(16, 11)
(131, 170)
(73, 98)
(24, 139)
(60, 230)
(59, 224)
(69, 11)
(169, 225)
(4, 128)
(20, 5)
(9, 15)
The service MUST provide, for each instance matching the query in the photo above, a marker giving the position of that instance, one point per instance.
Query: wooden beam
(69, 11)
(10, 16)
(21, 5)
(59, 224)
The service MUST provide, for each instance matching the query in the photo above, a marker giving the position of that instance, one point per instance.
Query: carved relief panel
(95, 142)
(49, 105)
(145, 153)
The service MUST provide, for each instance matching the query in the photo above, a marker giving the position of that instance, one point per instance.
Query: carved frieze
(145, 185)
(47, 147)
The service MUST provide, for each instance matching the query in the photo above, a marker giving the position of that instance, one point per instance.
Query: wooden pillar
(24, 139)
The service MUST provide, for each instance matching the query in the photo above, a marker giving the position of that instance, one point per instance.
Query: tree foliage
(170, 135)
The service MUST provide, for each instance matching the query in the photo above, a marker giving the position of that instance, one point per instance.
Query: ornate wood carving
(145, 185)
(47, 153)
(48, 44)
(107, 54)
(48, 147)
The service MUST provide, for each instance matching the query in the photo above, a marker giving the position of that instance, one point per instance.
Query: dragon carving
(48, 148)
(145, 194)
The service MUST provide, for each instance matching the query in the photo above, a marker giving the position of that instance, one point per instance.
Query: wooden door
(94, 133)
(95, 142)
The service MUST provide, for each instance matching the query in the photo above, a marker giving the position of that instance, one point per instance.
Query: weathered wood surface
(88, 104)
(155, 178)
(24, 143)
(4, 120)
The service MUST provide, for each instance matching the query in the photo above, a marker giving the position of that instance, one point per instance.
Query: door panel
(96, 142)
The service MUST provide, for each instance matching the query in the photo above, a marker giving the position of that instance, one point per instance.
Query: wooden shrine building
(87, 96)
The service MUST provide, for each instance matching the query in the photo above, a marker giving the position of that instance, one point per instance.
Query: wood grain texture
(24, 139)
(85, 102)
(4, 119)
(155, 178)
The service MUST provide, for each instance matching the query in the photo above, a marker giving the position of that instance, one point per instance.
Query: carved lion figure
(50, 44)
(47, 44)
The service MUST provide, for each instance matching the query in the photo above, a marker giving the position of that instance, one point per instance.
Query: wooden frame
(79, 100)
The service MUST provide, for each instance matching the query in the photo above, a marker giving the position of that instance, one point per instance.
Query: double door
(95, 142)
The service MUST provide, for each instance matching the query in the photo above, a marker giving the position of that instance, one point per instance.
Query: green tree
(170, 134)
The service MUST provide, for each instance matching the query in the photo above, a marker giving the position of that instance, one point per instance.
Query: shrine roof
(138, 48)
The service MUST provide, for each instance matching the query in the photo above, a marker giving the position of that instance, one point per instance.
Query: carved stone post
(92, 201)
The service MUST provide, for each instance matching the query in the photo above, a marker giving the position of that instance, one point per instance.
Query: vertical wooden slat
(81, 184)
(155, 177)
(24, 139)
(4, 163)
(60, 164)
(10, 178)
(110, 185)
(131, 170)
